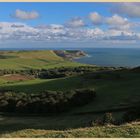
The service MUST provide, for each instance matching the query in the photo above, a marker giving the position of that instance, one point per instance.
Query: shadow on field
(41, 85)
(10, 124)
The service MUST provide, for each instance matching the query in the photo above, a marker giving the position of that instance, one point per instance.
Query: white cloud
(119, 23)
(116, 20)
(121, 35)
(75, 22)
(128, 9)
(96, 18)
(20, 31)
(113, 22)
(25, 15)
(13, 31)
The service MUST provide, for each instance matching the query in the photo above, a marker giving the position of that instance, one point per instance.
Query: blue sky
(101, 24)
(51, 13)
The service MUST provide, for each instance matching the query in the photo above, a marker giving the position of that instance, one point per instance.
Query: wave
(88, 55)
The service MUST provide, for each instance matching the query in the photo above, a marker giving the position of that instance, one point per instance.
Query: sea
(114, 57)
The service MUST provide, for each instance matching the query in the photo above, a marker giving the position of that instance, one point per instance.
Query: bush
(47, 102)
(108, 119)
(51, 73)
(95, 122)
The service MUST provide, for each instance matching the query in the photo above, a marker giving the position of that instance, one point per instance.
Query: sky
(69, 25)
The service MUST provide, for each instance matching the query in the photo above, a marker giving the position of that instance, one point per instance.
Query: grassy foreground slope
(16, 60)
(127, 131)
(62, 126)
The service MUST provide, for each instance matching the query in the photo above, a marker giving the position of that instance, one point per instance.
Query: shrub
(95, 122)
(108, 118)
(47, 102)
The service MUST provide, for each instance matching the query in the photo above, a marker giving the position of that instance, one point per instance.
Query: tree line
(54, 72)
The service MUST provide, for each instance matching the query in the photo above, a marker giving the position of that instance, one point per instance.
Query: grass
(33, 59)
(39, 85)
(127, 131)
(63, 125)
(112, 93)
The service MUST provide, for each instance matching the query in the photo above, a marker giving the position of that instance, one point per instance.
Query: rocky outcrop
(70, 54)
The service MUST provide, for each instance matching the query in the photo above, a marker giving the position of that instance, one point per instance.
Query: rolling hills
(117, 90)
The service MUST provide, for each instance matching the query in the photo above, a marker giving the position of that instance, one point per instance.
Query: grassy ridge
(32, 59)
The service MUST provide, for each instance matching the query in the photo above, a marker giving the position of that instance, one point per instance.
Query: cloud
(17, 25)
(25, 15)
(113, 22)
(122, 37)
(96, 18)
(116, 20)
(16, 31)
(75, 22)
(129, 9)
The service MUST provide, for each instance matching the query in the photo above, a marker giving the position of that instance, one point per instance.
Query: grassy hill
(32, 59)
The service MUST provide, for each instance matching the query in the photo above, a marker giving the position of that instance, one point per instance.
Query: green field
(113, 92)
(32, 60)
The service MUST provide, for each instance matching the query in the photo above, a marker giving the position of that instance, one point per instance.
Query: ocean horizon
(114, 57)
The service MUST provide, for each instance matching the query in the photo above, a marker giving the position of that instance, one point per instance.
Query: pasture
(16, 60)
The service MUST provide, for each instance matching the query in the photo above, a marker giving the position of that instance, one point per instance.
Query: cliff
(70, 54)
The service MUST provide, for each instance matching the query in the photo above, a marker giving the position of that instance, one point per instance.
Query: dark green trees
(47, 102)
